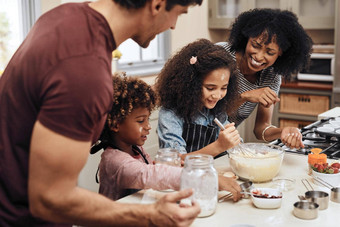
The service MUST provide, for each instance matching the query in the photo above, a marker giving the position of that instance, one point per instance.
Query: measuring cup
(318, 197)
(335, 191)
(305, 209)
(246, 188)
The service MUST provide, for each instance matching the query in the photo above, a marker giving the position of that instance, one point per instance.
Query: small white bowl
(266, 203)
(283, 184)
(332, 179)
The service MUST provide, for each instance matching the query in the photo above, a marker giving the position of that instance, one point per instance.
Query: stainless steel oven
(315, 136)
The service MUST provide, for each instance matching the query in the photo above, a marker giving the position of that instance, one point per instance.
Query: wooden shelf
(320, 86)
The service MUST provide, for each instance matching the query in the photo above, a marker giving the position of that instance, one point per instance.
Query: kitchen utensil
(244, 151)
(246, 188)
(319, 197)
(305, 209)
(335, 191)
(200, 175)
(266, 198)
(225, 197)
(261, 168)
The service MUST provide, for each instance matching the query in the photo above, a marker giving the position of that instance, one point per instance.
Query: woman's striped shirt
(267, 78)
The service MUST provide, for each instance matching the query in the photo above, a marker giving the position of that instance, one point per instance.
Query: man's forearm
(86, 208)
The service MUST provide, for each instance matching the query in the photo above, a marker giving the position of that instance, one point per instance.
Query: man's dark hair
(135, 4)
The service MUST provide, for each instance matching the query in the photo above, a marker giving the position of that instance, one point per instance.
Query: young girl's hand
(231, 185)
(229, 137)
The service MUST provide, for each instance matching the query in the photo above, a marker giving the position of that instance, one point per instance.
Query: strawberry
(320, 168)
(336, 165)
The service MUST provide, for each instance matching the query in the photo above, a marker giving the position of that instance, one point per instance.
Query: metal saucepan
(305, 209)
(335, 191)
(318, 197)
(247, 187)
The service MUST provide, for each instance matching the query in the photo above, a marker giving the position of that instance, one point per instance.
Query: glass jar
(200, 175)
(168, 156)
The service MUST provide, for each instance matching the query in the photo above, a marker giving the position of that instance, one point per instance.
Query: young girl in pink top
(125, 167)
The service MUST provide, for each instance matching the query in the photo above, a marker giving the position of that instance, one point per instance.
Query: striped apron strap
(198, 136)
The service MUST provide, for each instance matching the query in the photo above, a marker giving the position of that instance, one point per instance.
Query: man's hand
(169, 213)
(265, 96)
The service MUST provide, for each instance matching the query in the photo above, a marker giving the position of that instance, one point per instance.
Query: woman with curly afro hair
(266, 44)
(192, 87)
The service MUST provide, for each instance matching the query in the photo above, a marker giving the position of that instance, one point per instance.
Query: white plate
(329, 126)
(325, 129)
(335, 123)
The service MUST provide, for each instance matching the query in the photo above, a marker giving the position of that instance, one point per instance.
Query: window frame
(149, 67)
(30, 12)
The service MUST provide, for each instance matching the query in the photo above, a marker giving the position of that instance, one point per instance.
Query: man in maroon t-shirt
(54, 97)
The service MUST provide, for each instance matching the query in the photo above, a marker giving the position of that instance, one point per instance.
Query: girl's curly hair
(283, 26)
(179, 84)
(129, 93)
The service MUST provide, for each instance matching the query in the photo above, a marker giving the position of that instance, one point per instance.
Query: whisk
(243, 150)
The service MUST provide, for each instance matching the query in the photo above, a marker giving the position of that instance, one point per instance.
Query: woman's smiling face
(215, 87)
(259, 55)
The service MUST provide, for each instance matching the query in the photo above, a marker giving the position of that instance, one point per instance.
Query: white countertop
(228, 213)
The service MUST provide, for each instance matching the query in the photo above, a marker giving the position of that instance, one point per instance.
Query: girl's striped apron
(198, 136)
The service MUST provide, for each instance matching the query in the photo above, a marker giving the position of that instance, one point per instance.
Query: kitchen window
(137, 61)
(16, 19)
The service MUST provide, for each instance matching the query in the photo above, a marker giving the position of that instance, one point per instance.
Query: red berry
(320, 168)
(336, 165)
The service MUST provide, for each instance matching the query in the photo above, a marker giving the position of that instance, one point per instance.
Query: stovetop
(324, 134)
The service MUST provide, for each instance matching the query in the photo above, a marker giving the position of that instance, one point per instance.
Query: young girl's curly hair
(284, 27)
(129, 93)
(179, 84)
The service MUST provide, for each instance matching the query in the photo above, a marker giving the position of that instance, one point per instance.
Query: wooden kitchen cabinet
(312, 14)
(299, 107)
(303, 104)
(294, 123)
(222, 13)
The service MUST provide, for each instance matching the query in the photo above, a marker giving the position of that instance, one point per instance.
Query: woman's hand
(231, 185)
(229, 137)
(265, 96)
(291, 137)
